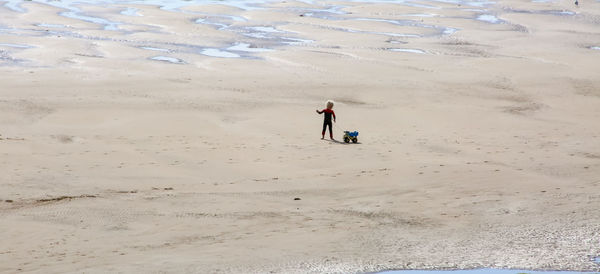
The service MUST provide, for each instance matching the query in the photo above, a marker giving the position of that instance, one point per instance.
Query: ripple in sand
(219, 53)
(418, 51)
(168, 59)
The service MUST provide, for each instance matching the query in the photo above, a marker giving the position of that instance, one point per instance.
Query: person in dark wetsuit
(327, 119)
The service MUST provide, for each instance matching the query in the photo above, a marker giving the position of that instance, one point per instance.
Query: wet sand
(184, 139)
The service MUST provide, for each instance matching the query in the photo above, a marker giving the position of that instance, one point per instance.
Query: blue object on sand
(350, 136)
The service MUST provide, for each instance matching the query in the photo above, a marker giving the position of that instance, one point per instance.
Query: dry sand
(483, 151)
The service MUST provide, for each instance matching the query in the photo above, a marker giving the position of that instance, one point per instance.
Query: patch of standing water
(331, 9)
(271, 34)
(257, 35)
(449, 31)
(205, 21)
(15, 6)
(247, 48)
(474, 10)
(19, 46)
(131, 12)
(596, 259)
(388, 34)
(420, 15)
(171, 5)
(596, 48)
(296, 41)
(219, 53)
(6, 59)
(222, 21)
(395, 22)
(326, 15)
(70, 11)
(168, 59)
(480, 271)
(156, 49)
(404, 3)
(544, 12)
(59, 26)
(561, 12)
(75, 14)
(489, 18)
(265, 29)
(176, 5)
(409, 50)
(467, 3)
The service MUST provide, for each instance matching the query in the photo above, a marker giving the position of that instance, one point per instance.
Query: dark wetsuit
(327, 121)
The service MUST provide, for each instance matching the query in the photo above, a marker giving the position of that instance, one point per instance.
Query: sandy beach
(146, 137)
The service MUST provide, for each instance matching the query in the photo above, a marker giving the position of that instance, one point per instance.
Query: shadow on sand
(340, 142)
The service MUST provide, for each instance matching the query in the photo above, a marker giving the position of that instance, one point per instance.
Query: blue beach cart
(351, 136)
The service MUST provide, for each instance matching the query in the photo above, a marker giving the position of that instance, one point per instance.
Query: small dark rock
(297, 199)
(168, 188)
(9, 201)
